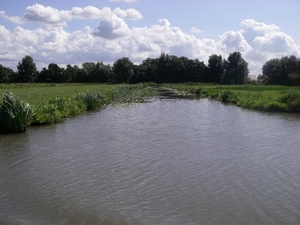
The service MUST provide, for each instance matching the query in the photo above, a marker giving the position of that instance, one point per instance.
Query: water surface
(165, 162)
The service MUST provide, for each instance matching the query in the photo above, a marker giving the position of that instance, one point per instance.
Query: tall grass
(291, 98)
(15, 115)
(91, 99)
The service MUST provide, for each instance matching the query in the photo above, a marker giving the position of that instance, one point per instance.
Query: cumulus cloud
(111, 28)
(47, 15)
(113, 39)
(89, 12)
(234, 41)
(195, 30)
(13, 19)
(130, 14)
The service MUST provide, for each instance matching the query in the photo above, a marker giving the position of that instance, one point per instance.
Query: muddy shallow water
(163, 162)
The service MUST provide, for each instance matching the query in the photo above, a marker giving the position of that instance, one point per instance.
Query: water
(166, 162)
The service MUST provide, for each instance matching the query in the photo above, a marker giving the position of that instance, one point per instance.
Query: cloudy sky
(73, 32)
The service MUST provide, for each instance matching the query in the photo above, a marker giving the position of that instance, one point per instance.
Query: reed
(15, 115)
(91, 99)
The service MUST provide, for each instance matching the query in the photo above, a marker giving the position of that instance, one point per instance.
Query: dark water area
(161, 163)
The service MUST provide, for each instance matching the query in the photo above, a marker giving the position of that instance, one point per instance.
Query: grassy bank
(51, 103)
(258, 97)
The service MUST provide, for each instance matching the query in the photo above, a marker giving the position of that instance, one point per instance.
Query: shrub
(291, 98)
(91, 99)
(227, 96)
(15, 115)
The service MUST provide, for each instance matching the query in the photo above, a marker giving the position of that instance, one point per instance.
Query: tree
(6, 74)
(70, 73)
(283, 71)
(53, 74)
(122, 71)
(216, 69)
(27, 71)
(236, 69)
(101, 73)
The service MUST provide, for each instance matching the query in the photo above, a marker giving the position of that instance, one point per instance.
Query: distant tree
(122, 71)
(216, 69)
(6, 74)
(70, 73)
(283, 71)
(150, 66)
(200, 71)
(236, 69)
(53, 74)
(101, 73)
(27, 71)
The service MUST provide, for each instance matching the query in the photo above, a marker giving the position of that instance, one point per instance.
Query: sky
(73, 32)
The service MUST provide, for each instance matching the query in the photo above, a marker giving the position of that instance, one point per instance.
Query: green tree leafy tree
(6, 74)
(122, 71)
(216, 69)
(236, 69)
(27, 71)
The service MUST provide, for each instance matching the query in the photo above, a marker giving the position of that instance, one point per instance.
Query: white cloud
(113, 39)
(47, 15)
(111, 28)
(130, 14)
(195, 30)
(234, 41)
(13, 19)
(89, 12)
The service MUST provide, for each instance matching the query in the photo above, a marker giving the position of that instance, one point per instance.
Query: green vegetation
(269, 98)
(52, 103)
(15, 115)
(33, 104)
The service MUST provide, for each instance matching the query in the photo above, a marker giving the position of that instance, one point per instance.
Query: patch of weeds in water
(227, 96)
(91, 99)
(15, 115)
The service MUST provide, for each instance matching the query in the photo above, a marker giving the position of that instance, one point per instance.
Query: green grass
(54, 102)
(33, 93)
(272, 98)
(15, 115)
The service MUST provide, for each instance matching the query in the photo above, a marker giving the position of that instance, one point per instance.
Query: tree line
(164, 69)
(283, 71)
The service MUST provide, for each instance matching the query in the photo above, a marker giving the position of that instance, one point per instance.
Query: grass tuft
(15, 115)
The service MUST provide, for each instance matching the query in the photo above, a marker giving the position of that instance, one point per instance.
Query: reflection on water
(164, 162)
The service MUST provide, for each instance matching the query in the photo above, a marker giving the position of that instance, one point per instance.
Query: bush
(227, 96)
(15, 115)
(291, 98)
(91, 99)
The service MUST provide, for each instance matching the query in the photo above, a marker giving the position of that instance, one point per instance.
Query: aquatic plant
(15, 115)
(227, 96)
(91, 99)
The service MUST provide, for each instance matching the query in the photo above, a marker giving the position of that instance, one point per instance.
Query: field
(32, 93)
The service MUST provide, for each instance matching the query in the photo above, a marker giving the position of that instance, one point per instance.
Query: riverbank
(24, 105)
(269, 98)
(51, 103)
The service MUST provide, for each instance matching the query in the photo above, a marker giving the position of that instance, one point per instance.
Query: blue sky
(73, 32)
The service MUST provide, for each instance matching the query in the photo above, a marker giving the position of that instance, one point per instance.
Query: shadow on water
(170, 94)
